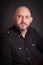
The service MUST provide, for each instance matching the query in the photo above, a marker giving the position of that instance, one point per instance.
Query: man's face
(22, 18)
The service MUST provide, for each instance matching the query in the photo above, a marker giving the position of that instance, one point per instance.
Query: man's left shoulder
(32, 30)
(34, 33)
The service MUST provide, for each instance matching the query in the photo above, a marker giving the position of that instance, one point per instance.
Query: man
(22, 45)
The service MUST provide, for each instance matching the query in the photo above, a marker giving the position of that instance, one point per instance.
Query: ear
(31, 19)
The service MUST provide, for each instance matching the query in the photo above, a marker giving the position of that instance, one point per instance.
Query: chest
(23, 49)
(22, 46)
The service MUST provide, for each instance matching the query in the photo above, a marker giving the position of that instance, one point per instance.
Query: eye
(19, 16)
(27, 16)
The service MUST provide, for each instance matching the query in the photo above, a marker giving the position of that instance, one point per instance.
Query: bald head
(22, 18)
(22, 8)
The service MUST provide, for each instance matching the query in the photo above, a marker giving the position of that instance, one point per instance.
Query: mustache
(23, 23)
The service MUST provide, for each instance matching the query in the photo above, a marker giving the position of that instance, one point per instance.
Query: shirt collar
(17, 31)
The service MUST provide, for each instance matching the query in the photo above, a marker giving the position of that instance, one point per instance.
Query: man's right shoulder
(8, 33)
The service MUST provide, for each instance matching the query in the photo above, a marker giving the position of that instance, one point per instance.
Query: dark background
(8, 7)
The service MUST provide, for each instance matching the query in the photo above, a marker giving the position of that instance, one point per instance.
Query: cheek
(28, 21)
(18, 20)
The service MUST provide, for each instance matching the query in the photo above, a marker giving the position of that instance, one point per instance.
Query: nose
(23, 19)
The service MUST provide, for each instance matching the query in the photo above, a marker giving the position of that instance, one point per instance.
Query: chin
(23, 29)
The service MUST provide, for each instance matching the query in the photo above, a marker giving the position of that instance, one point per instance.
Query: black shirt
(16, 50)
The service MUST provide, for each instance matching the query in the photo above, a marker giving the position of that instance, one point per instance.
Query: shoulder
(10, 32)
(32, 30)
(34, 33)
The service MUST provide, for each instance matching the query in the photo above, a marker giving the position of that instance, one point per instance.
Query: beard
(23, 27)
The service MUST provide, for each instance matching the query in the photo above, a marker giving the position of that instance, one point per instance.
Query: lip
(23, 25)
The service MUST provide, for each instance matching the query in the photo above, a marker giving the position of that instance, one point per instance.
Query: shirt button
(28, 58)
(26, 48)
(33, 45)
(19, 48)
(8, 32)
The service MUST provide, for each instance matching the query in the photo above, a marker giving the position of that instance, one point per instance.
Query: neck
(23, 33)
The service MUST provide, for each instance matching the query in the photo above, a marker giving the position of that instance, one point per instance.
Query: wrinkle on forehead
(21, 8)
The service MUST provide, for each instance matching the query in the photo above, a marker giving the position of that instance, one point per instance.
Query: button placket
(28, 58)
(26, 49)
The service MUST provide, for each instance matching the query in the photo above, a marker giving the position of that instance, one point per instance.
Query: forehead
(23, 10)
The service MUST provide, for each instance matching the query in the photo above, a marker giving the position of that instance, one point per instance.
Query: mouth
(23, 25)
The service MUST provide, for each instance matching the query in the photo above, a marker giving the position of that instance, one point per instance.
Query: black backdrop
(8, 7)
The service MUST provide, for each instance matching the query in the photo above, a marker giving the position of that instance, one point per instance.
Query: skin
(22, 19)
